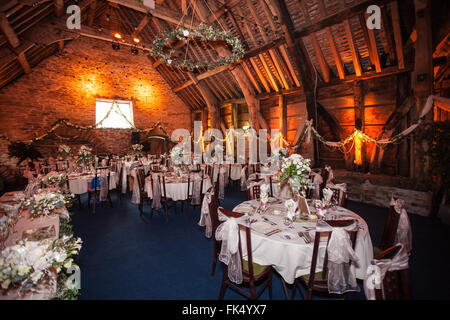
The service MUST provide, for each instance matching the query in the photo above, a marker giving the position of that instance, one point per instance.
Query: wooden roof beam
(336, 55)
(351, 44)
(397, 34)
(319, 55)
(160, 12)
(8, 31)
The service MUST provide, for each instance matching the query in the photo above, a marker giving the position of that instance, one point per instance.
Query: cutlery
(272, 232)
(271, 222)
(302, 235)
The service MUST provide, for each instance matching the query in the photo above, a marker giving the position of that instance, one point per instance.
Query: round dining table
(176, 186)
(289, 251)
(79, 182)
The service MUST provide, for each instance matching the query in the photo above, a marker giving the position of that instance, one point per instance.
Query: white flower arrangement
(137, 149)
(84, 155)
(295, 170)
(47, 202)
(9, 218)
(176, 155)
(29, 263)
(55, 179)
(64, 150)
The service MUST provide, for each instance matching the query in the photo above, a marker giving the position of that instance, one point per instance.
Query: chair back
(338, 197)
(396, 284)
(163, 193)
(390, 229)
(140, 175)
(213, 207)
(248, 243)
(322, 281)
(119, 178)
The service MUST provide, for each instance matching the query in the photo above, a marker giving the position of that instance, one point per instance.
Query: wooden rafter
(336, 55)
(351, 45)
(397, 34)
(369, 37)
(321, 59)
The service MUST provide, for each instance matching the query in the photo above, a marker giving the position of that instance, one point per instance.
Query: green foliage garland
(202, 33)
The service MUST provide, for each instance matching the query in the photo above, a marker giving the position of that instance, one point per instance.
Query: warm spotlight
(136, 40)
(117, 35)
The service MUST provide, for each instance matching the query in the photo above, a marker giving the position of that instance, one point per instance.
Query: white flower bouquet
(30, 263)
(8, 218)
(55, 179)
(47, 202)
(63, 150)
(84, 155)
(137, 149)
(295, 171)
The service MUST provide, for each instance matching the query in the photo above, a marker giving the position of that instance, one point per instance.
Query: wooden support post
(204, 119)
(358, 99)
(397, 34)
(422, 81)
(234, 116)
(282, 111)
(8, 31)
(24, 63)
(59, 8)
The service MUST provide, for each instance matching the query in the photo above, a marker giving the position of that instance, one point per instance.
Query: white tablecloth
(80, 184)
(292, 258)
(176, 190)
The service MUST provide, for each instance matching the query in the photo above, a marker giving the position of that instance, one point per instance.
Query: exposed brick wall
(66, 86)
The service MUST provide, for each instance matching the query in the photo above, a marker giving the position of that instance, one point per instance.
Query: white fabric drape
(205, 217)
(136, 196)
(156, 192)
(341, 274)
(377, 271)
(222, 171)
(228, 233)
(404, 234)
(196, 192)
(243, 179)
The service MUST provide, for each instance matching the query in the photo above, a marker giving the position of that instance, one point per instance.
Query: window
(121, 115)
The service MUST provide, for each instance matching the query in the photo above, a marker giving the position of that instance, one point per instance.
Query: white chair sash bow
(243, 178)
(205, 217)
(404, 234)
(196, 192)
(228, 233)
(377, 271)
(136, 196)
(156, 192)
(103, 185)
(341, 274)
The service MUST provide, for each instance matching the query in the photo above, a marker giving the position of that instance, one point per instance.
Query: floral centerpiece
(63, 151)
(295, 171)
(176, 155)
(85, 156)
(31, 263)
(55, 179)
(8, 218)
(137, 149)
(47, 202)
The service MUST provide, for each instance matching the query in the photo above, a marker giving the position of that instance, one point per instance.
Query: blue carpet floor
(126, 256)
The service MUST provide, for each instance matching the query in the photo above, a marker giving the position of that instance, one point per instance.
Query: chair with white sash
(387, 278)
(237, 270)
(337, 273)
(397, 228)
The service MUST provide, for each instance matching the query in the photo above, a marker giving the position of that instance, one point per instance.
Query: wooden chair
(140, 175)
(396, 284)
(119, 183)
(95, 191)
(165, 201)
(389, 231)
(318, 282)
(254, 192)
(190, 193)
(339, 197)
(252, 273)
(213, 207)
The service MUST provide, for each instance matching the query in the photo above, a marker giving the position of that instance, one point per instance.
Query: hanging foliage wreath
(202, 33)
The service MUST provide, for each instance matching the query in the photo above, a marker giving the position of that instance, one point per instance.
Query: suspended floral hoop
(164, 48)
